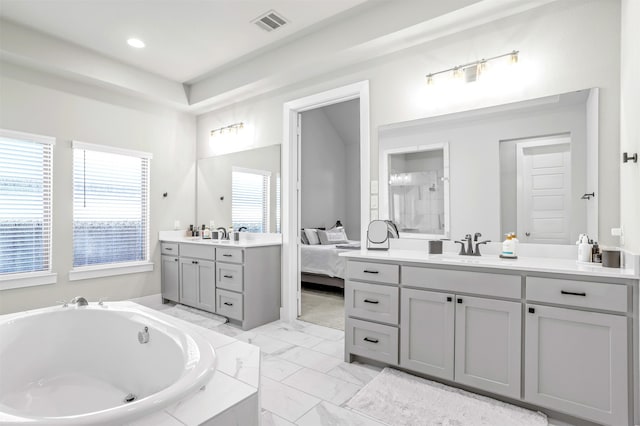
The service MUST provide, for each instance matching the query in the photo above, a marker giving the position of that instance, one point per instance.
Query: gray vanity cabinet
(197, 283)
(487, 344)
(170, 278)
(426, 332)
(576, 362)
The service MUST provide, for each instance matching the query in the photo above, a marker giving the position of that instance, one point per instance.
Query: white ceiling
(205, 54)
(185, 39)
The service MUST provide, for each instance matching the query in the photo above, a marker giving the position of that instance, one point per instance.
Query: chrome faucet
(223, 232)
(79, 301)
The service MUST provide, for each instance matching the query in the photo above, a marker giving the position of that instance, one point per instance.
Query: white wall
(43, 104)
(564, 46)
(323, 169)
(629, 124)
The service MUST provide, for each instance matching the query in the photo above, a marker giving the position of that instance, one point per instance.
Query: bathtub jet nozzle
(143, 336)
(129, 398)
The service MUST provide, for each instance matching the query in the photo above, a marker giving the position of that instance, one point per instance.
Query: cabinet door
(488, 342)
(576, 363)
(189, 281)
(207, 285)
(170, 281)
(426, 340)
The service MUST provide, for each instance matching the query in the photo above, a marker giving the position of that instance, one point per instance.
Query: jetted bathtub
(96, 364)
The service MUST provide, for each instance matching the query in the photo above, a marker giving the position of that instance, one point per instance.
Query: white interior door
(544, 190)
(299, 218)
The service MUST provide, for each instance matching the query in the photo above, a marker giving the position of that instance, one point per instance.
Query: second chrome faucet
(472, 245)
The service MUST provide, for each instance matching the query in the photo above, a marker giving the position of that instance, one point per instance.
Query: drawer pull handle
(228, 276)
(176, 259)
(459, 300)
(573, 293)
(228, 304)
(366, 271)
(449, 299)
(532, 310)
(195, 262)
(375, 302)
(227, 255)
(369, 339)
(168, 248)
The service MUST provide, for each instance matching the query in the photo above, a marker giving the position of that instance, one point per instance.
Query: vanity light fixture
(472, 70)
(231, 128)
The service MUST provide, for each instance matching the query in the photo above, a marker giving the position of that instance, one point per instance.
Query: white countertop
(528, 264)
(247, 240)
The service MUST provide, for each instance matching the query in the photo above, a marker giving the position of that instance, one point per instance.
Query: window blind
(250, 199)
(25, 202)
(110, 205)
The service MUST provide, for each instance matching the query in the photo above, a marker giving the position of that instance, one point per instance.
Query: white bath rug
(195, 316)
(398, 398)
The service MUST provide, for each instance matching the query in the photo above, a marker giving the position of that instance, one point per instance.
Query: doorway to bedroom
(329, 164)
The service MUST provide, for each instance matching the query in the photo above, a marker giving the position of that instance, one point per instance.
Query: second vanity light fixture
(231, 128)
(470, 72)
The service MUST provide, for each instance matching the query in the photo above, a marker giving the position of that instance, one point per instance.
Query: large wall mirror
(528, 167)
(241, 189)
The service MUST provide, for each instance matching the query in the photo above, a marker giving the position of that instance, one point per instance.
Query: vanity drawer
(372, 302)
(229, 276)
(229, 255)
(229, 304)
(481, 283)
(378, 272)
(169, 248)
(199, 251)
(609, 297)
(374, 341)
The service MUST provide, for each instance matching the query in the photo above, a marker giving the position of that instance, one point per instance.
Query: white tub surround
(545, 332)
(237, 280)
(96, 364)
(231, 392)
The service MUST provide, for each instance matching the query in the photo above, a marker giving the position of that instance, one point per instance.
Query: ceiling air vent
(270, 21)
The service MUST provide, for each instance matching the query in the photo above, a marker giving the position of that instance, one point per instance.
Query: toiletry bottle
(508, 247)
(584, 249)
(596, 256)
(230, 233)
(206, 233)
(190, 231)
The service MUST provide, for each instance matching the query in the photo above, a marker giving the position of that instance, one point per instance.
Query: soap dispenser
(509, 247)
(584, 249)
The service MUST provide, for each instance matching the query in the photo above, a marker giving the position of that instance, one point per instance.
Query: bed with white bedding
(320, 263)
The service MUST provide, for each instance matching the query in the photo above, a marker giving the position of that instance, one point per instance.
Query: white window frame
(30, 279)
(265, 173)
(112, 269)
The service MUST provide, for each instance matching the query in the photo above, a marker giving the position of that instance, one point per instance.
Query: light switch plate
(374, 201)
(374, 186)
(176, 225)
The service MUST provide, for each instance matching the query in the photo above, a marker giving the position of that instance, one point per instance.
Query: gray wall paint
(43, 104)
(330, 171)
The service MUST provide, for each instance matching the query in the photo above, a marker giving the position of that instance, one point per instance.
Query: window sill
(98, 271)
(29, 279)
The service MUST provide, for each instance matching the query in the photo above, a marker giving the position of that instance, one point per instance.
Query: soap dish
(508, 257)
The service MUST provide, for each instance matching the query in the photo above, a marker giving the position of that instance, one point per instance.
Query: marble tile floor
(304, 380)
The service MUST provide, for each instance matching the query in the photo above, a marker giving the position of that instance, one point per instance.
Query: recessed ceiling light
(136, 42)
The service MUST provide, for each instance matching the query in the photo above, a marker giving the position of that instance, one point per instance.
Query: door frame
(291, 184)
